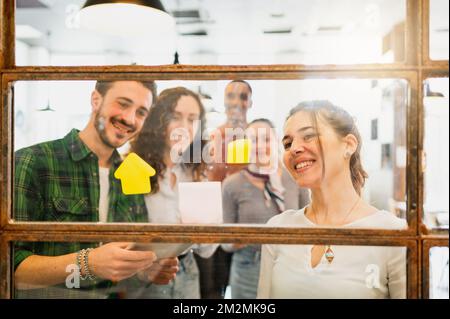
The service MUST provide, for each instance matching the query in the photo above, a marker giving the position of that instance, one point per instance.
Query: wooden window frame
(426, 246)
(426, 60)
(416, 68)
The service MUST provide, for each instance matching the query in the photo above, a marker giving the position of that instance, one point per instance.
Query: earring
(347, 155)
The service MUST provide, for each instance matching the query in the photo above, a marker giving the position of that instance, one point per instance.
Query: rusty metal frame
(413, 256)
(5, 267)
(427, 69)
(426, 246)
(416, 67)
(426, 60)
(7, 34)
(253, 72)
(5, 169)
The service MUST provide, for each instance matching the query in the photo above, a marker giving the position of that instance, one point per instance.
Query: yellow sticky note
(134, 174)
(239, 151)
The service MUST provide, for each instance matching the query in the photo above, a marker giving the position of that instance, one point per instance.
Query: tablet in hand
(163, 250)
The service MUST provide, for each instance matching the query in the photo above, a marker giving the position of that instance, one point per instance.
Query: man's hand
(162, 272)
(115, 262)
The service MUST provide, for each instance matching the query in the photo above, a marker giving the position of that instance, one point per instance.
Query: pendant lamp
(126, 17)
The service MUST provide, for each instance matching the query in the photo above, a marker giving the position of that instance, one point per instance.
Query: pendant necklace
(329, 253)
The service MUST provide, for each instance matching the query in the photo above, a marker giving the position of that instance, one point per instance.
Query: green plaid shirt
(58, 181)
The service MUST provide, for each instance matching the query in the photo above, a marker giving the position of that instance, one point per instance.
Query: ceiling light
(126, 17)
(286, 30)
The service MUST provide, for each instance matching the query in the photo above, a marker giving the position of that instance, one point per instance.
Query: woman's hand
(162, 272)
(115, 262)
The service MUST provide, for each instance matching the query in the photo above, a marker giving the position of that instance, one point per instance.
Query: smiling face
(263, 142)
(120, 114)
(238, 99)
(314, 153)
(184, 124)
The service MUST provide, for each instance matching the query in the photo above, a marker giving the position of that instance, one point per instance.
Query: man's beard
(100, 127)
(100, 123)
(237, 119)
(237, 122)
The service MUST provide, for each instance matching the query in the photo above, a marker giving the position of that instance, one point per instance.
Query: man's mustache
(130, 127)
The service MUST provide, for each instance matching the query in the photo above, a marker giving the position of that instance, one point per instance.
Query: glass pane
(436, 157)
(68, 180)
(439, 273)
(211, 32)
(439, 30)
(207, 271)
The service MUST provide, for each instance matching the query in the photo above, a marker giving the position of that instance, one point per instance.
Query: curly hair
(150, 144)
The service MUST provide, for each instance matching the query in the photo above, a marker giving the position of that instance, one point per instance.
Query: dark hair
(242, 81)
(263, 120)
(342, 124)
(150, 144)
(103, 86)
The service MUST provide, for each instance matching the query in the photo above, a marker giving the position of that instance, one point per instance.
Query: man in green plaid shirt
(71, 180)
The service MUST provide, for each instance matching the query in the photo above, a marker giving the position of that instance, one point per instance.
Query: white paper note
(200, 202)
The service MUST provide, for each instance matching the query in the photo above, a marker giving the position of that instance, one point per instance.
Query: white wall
(436, 146)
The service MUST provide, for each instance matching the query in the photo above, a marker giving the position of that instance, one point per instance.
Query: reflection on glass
(436, 153)
(439, 273)
(439, 29)
(212, 32)
(71, 179)
(183, 136)
(147, 271)
(307, 271)
(107, 270)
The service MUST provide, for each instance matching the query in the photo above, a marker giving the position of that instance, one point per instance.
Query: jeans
(244, 275)
(186, 285)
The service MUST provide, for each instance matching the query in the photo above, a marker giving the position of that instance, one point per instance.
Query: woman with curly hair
(171, 133)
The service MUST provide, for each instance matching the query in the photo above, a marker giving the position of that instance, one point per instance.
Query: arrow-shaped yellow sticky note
(239, 151)
(134, 174)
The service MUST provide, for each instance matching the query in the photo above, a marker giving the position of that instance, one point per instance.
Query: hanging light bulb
(126, 17)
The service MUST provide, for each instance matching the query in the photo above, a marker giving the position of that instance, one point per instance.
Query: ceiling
(220, 26)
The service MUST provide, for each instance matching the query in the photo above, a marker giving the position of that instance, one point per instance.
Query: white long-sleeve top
(356, 272)
(163, 208)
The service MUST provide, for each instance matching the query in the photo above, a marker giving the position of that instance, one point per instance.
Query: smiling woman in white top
(322, 152)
